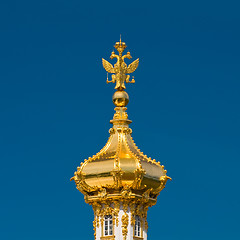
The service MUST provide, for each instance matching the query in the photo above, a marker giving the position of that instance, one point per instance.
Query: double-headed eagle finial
(120, 68)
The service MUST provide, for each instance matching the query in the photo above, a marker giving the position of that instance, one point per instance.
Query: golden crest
(120, 70)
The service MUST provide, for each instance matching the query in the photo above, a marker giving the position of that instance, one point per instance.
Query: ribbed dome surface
(121, 153)
(120, 165)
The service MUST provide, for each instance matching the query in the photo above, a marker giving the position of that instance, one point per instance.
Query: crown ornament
(120, 71)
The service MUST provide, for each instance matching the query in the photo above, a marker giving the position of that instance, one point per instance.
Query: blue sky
(55, 108)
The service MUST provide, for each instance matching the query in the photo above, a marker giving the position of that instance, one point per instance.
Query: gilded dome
(120, 167)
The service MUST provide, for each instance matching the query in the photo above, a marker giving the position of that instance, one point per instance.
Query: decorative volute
(120, 177)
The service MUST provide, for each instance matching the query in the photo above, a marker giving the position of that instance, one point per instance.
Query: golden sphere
(120, 99)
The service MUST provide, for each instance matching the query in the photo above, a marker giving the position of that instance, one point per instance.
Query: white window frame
(137, 229)
(108, 225)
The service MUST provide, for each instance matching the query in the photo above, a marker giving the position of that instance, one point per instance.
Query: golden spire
(120, 165)
(120, 69)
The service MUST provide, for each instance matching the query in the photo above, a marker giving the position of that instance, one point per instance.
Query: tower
(120, 182)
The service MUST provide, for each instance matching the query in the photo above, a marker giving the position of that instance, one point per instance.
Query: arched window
(108, 225)
(137, 231)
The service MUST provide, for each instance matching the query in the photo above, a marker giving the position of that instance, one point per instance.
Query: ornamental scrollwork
(146, 195)
(125, 220)
(139, 173)
(117, 177)
(102, 193)
(116, 211)
(163, 180)
(126, 192)
(133, 212)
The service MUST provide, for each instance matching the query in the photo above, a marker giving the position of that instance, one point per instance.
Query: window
(108, 225)
(137, 231)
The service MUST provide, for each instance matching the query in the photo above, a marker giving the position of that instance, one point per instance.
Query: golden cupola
(120, 174)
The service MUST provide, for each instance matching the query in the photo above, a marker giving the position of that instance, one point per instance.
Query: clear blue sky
(55, 108)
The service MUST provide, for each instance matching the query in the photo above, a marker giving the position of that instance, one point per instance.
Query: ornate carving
(145, 209)
(138, 210)
(117, 177)
(102, 219)
(163, 180)
(102, 193)
(120, 69)
(79, 178)
(139, 173)
(146, 195)
(125, 220)
(111, 130)
(126, 192)
(133, 210)
(97, 210)
(125, 206)
(120, 114)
